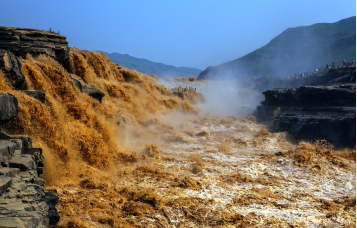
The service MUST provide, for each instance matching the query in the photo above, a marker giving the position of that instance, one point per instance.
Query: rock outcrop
(87, 88)
(11, 66)
(313, 112)
(23, 202)
(38, 95)
(23, 41)
(8, 107)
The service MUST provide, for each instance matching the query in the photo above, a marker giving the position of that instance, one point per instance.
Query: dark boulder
(38, 95)
(8, 107)
(87, 88)
(51, 201)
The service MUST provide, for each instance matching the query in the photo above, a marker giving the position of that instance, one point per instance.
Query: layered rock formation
(18, 42)
(23, 41)
(313, 112)
(23, 202)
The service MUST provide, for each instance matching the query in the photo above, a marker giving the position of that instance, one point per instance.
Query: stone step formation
(23, 201)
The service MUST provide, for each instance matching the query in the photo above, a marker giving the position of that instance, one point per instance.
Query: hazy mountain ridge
(147, 67)
(294, 50)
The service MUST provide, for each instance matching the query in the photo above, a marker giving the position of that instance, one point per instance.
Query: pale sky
(181, 33)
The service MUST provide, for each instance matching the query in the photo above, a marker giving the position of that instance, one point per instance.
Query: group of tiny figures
(309, 73)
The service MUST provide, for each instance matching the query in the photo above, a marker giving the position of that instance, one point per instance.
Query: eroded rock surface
(87, 88)
(313, 112)
(23, 202)
(8, 107)
(23, 41)
(11, 67)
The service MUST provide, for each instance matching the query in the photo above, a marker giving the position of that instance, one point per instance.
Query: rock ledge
(313, 112)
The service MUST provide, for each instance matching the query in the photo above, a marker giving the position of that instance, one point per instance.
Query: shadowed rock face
(87, 88)
(8, 107)
(23, 41)
(313, 112)
(11, 66)
(38, 95)
(22, 198)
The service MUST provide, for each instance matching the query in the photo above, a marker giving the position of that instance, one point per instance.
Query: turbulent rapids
(145, 157)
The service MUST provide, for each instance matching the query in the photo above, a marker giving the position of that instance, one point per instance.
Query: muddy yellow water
(167, 163)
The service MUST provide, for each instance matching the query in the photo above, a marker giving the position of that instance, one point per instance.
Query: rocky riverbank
(313, 112)
(53, 94)
(23, 201)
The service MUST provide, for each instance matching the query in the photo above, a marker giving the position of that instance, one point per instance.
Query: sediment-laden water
(170, 164)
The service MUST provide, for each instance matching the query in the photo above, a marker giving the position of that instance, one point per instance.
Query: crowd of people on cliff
(302, 75)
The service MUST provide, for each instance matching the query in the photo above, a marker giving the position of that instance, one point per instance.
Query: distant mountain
(147, 67)
(293, 51)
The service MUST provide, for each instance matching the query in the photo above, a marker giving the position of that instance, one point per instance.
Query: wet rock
(87, 88)
(38, 95)
(23, 41)
(51, 201)
(8, 107)
(313, 112)
(11, 66)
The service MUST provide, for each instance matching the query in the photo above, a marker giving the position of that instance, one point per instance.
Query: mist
(223, 98)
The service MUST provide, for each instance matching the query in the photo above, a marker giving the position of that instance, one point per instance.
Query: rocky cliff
(23, 41)
(23, 201)
(313, 112)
